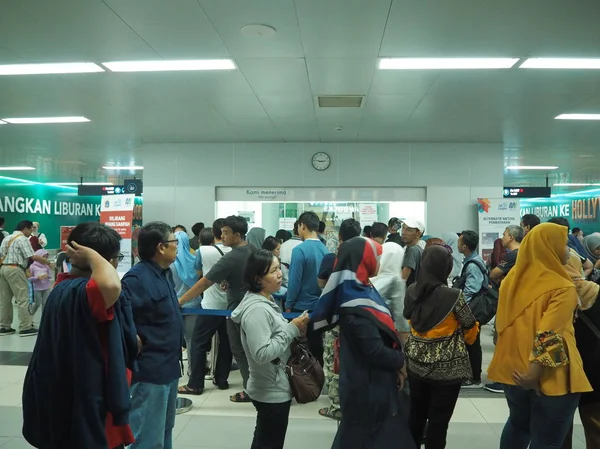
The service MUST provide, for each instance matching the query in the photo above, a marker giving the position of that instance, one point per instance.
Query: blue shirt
(198, 261)
(475, 280)
(158, 322)
(303, 289)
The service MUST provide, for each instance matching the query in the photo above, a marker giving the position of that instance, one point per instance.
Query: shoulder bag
(485, 303)
(304, 373)
(7, 248)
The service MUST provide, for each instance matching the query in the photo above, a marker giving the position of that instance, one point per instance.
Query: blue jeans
(542, 421)
(152, 415)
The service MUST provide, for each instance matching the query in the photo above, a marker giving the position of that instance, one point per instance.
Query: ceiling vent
(340, 101)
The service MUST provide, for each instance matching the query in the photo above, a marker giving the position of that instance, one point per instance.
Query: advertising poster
(495, 214)
(64, 235)
(582, 209)
(116, 211)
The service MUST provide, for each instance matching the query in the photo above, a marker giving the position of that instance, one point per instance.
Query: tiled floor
(216, 423)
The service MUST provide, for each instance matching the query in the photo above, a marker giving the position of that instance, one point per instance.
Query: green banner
(51, 206)
(582, 209)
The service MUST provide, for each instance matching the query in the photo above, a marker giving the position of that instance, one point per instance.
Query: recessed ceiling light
(561, 63)
(49, 69)
(576, 184)
(16, 168)
(531, 167)
(79, 184)
(446, 63)
(169, 66)
(586, 155)
(37, 120)
(127, 167)
(578, 117)
(2, 123)
(258, 30)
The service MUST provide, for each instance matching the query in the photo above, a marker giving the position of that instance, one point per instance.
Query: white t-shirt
(214, 297)
(287, 248)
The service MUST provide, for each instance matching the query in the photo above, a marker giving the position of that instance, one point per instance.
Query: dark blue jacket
(69, 387)
(158, 321)
(369, 397)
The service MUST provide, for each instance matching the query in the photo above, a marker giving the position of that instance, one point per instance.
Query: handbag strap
(589, 323)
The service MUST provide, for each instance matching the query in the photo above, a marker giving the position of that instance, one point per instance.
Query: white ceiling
(322, 47)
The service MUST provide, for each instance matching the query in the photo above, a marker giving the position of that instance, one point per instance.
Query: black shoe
(223, 386)
(29, 332)
(4, 331)
(494, 387)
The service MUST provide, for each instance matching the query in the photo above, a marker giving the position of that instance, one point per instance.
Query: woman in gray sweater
(266, 338)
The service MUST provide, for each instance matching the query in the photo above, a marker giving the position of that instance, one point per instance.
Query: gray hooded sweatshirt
(266, 336)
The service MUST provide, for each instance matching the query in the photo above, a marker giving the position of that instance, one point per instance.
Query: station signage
(527, 192)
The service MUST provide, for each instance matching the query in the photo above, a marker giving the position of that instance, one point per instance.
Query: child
(40, 276)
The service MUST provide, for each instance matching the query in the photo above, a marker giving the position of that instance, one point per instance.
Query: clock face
(321, 161)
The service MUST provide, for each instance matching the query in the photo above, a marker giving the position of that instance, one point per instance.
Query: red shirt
(115, 435)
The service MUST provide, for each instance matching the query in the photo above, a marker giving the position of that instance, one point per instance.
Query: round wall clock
(321, 161)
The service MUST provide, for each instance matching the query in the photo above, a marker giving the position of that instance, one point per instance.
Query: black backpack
(485, 303)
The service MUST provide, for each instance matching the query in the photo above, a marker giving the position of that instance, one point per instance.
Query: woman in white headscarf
(391, 286)
(451, 240)
(40, 235)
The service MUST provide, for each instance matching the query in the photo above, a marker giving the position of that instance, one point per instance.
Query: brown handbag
(305, 374)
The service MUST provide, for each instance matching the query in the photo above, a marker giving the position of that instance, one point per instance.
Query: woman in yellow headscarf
(536, 356)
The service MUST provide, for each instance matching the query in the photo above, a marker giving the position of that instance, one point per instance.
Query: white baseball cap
(414, 224)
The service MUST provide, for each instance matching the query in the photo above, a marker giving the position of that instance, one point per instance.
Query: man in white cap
(412, 231)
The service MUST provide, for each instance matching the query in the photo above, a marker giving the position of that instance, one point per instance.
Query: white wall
(180, 180)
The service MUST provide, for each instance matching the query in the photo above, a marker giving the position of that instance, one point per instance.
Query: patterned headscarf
(349, 291)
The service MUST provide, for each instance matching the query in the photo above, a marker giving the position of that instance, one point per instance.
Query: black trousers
(205, 328)
(476, 358)
(314, 340)
(271, 425)
(431, 404)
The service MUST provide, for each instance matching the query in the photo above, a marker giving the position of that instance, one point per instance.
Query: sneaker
(471, 385)
(494, 387)
(29, 332)
(4, 331)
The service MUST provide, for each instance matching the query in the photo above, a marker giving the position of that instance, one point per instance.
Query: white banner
(116, 211)
(495, 215)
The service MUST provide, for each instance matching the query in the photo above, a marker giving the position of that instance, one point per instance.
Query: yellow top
(535, 316)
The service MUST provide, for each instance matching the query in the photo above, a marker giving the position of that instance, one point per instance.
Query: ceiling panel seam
(312, 95)
(241, 71)
(131, 28)
(368, 92)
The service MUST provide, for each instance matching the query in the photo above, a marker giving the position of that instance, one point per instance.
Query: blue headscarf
(184, 263)
(575, 244)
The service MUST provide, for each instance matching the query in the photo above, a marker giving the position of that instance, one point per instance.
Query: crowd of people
(389, 316)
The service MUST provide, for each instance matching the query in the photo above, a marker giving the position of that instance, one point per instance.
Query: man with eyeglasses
(76, 390)
(150, 288)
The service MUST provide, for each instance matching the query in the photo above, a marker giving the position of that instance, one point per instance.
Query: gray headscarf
(590, 243)
(451, 240)
(256, 237)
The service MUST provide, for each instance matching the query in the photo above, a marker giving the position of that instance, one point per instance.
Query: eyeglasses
(166, 242)
(120, 257)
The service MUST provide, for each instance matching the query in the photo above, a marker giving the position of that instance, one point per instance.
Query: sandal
(327, 412)
(242, 396)
(184, 389)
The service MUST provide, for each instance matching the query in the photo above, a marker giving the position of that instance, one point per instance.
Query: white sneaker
(470, 385)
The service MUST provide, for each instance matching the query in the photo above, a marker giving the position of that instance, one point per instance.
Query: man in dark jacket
(149, 287)
(76, 391)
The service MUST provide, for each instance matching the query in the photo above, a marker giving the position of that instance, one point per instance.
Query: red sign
(120, 221)
(64, 235)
